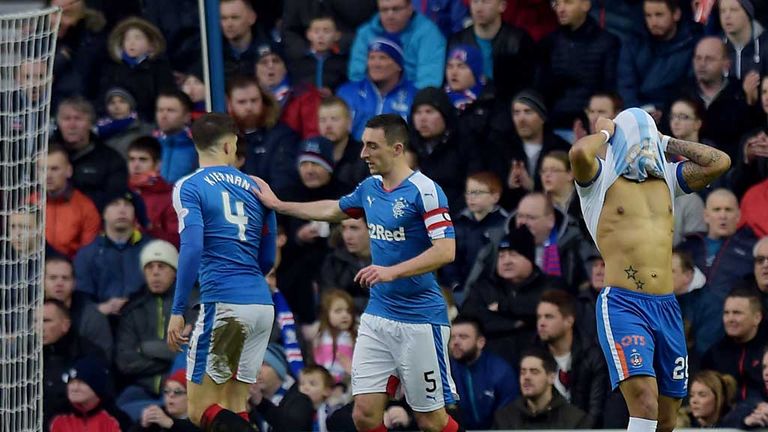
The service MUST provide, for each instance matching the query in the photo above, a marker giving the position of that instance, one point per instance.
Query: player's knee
(365, 416)
(666, 424)
(434, 421)
(642, 400)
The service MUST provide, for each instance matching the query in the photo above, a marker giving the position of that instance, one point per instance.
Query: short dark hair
(147, 144)
(394, 127)
(240, 81)
(470, 320)
(57, 148)
(549, 363)
(686, 260)
(317, 369)
(698, 108)
(751, 294)
(331, 101)
(183, 98)
(673, 5)
(565, 302)
(322, 15)
(58, 304)
(210, 128)
(50, 259)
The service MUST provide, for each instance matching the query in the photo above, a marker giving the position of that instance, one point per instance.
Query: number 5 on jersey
(238, 218)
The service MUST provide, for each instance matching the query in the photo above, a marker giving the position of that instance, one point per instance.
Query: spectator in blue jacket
(653, 65)
(422, 42)
(173, 112)
(448, 15)
(485, 382)
(107, 269)
(384, 90)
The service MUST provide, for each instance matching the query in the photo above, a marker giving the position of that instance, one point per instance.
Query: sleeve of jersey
(187, 205)
(681, 186)
(351, 204)
(268, 246)
(437, 219)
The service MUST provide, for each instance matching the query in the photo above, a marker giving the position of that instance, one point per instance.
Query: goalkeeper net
(27, 43)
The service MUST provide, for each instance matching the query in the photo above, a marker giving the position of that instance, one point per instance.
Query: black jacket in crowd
(589, 383)
(294, 413)
(97, 171)
(513, 54)
(511, 328)
(303, 70)
(743, 361)
(80, 56)
(747, 174)
(576, 64)
(350, 170)
(559, 414)
(271, 154)
(339, 270)
(143, 81)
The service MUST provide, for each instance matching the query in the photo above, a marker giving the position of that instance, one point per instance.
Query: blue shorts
(642, 334)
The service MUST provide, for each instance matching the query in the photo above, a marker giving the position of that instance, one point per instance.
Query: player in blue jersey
(627, 190)
(228, 242)
(404, 331)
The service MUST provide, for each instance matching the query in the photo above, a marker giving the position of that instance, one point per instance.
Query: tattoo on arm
(705, 163)
(632, 275)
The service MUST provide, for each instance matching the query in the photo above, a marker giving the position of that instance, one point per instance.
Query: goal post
(27, 52)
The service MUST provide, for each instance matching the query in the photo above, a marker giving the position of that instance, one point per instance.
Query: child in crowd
(322, 65)
(194, 87)
(121, 124)
(335, 340)
(464, 80)
(136, 47)
(317, 383)
(173, 416)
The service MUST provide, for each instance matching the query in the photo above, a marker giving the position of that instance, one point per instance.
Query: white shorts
(229, 341)
(387, 352)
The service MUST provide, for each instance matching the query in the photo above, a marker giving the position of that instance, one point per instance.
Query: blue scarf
(461, 99)
(132, 61)
(108, 127)
(281, 91)
(287, 325)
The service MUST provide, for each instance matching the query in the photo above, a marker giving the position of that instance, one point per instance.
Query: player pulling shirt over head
(228, 243)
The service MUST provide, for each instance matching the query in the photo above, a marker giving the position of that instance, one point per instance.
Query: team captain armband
(437, 221)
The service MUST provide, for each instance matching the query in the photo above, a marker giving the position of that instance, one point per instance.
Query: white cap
(160, 250)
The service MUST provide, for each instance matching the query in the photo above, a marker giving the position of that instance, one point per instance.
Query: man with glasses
(423, 43)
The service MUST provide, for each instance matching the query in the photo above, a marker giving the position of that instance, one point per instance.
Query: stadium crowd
(495, 92)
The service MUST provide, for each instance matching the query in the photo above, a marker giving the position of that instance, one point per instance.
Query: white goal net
(27, 45)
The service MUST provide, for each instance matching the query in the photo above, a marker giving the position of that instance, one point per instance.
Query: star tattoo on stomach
(632, 275)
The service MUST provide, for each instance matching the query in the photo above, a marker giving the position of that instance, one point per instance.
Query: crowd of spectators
(496, 92)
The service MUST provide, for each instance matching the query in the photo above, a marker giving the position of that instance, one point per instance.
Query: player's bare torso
(634, 234)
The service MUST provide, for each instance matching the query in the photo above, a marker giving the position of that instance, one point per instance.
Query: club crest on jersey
(636, 359)
(398, 207)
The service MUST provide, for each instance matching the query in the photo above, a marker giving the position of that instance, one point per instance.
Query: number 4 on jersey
(238, 218)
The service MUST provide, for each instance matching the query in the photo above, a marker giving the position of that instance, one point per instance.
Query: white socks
(637, 424)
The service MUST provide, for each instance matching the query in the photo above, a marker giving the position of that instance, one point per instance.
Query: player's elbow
(447, 251)
(579, 153)
(723, 163)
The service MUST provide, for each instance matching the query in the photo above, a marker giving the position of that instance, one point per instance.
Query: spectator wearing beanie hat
(90, 395)
(422, 43)
(464, 79)
(384, 89)
(442, 153)
(107, 268)
(505, 298)
(307, 244)
(172, 416)
(121, 125)
(142, 325)
(516, 158)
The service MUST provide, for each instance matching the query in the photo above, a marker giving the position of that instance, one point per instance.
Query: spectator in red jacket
(71, 218)
(89, 392)
(145, 180)
(754, 207)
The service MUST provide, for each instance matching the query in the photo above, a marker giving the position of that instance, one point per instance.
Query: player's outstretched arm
(583, 153)
(442, 252)
(325, 210)
(704, 164)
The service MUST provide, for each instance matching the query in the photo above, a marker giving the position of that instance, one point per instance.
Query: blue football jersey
(221, 200)
(402, 224)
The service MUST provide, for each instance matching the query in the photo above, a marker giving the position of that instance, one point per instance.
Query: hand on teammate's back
(264, 193)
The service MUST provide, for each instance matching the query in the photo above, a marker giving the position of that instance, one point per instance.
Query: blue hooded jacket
(365, 101)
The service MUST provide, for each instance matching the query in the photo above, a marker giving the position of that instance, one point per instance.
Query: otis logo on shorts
(378, 232)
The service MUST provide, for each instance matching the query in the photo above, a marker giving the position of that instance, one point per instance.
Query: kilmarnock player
(217, 209)
(404, 331)
(627, 190)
